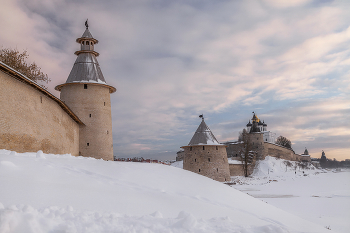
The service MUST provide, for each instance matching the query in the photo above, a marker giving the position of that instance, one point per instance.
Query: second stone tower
(87, 94)
(204, 155)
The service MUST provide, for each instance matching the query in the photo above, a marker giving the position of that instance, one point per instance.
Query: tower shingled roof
(203, 136)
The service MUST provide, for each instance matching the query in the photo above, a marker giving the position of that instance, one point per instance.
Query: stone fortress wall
(80, 123)
(261, 141)
(32, 119)
(263, 148)
(207, 160)
(237, 170)
(278, 151)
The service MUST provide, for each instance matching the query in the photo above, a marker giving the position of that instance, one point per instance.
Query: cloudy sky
(289, 61)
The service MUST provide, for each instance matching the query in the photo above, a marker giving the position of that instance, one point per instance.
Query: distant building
(305, 157)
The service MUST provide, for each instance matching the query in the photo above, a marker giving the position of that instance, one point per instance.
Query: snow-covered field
(320, 196)
(61, 193)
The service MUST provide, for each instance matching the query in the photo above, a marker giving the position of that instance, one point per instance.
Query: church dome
(255, 118)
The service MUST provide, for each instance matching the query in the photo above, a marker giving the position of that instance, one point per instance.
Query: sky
(288, 61)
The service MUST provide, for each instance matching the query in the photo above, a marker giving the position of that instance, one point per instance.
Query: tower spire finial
(86, 24)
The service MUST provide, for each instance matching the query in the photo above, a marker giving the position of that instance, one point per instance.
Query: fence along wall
(31, 119)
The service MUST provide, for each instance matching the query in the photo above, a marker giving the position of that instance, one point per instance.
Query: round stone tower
(87, 94)
(206, 156)
(256, 137)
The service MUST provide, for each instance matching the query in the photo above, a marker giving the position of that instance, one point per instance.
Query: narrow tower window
(208, 159)
(89, 115)
(203, 148)
(41, 99)
(191, 148)
(216, 147)
(107, 131)
(104, 103)
(199, 170)
(88, 144)
(87, 42)
(195, 160)
(85, 86)
(217, 169)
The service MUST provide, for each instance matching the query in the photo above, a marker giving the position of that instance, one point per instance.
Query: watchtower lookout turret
(88, 95)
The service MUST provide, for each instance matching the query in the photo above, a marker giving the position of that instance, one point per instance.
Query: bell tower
(87, 94)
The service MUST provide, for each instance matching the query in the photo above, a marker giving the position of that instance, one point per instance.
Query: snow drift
(61, 193)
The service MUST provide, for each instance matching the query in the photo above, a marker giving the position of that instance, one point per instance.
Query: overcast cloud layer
(170, 61)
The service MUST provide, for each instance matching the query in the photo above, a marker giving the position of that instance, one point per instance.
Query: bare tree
(17, 60)
(240, 135)
(284, 142)
(246, 155)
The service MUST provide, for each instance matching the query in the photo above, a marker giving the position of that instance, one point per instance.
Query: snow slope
(61, 193)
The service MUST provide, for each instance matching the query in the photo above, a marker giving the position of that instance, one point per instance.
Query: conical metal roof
(203, 136)
(87, 34)
(86, 69)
